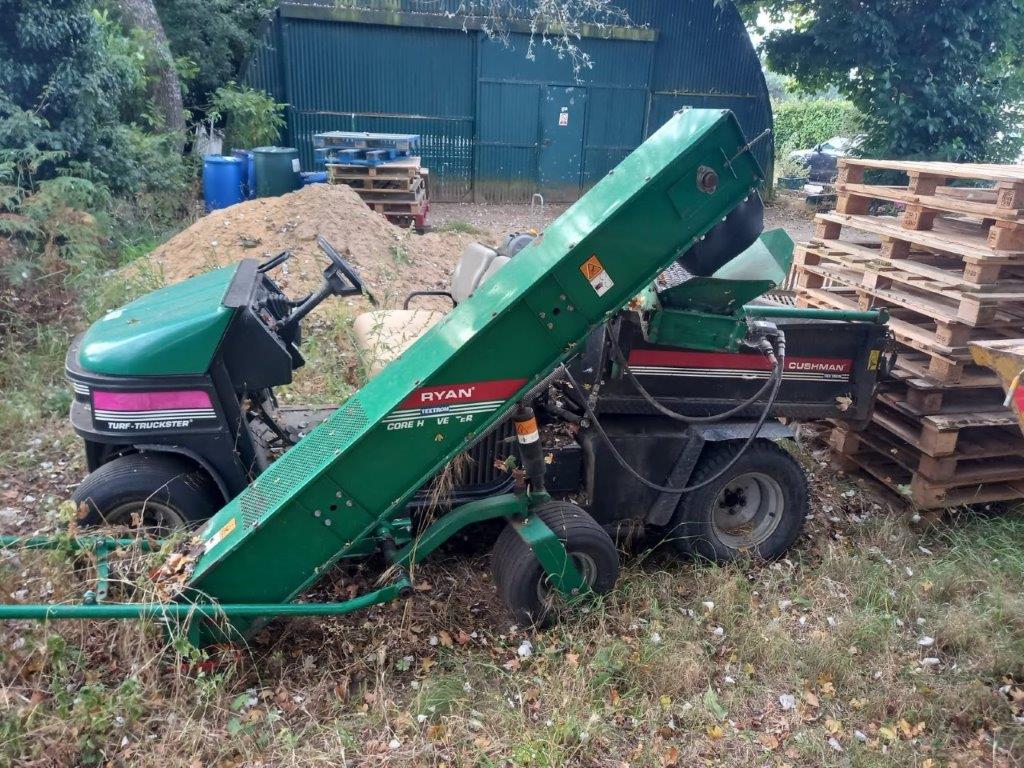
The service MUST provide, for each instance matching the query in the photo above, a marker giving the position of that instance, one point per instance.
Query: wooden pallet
(921, 367)
(939, 435)
(926, 198)
(384, 187)
(859, 268)
(961, 481)
(405, 168)
(978, 462)
(964, 239)
(942, 269)
(925, 396)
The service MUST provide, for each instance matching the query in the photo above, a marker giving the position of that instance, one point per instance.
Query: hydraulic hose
(668, 412)
(775, 380)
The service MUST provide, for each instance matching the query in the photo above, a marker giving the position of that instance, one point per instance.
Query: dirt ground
(501, 219)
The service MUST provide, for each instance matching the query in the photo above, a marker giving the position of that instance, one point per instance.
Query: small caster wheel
(522, 583)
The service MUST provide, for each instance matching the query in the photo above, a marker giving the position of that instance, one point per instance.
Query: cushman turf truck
(618, 374)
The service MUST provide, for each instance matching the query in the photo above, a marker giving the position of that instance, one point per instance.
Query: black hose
(668, 412)
(775, 379)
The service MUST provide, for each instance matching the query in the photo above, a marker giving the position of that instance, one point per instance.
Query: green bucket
(277, 170)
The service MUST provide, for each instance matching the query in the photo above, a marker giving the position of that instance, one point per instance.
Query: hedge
(803, 123)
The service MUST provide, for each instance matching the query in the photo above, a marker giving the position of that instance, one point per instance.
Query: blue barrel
(222, 181)
(247, 162)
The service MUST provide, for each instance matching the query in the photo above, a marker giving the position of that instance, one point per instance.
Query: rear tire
(521, 580)
(157, 492)
(756, 509)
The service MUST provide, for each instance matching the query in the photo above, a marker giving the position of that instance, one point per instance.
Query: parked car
(822, 162)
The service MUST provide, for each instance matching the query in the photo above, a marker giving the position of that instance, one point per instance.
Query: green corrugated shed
(501, 119)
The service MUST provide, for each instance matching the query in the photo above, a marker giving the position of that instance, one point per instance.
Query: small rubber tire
(520, 578)
(768, 477)
(167, 492)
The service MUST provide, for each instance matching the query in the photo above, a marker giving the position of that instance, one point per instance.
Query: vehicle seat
(383, 335)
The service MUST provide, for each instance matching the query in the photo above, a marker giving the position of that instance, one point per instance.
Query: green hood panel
(172, 331)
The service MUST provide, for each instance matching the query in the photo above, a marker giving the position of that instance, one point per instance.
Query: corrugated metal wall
(476, 101)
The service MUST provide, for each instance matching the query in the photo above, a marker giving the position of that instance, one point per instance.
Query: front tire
(157, 492)
(756, 509)
(523, 583)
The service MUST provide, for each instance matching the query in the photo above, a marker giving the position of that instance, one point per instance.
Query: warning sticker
(220, 535)
(596, 275)
(527, 431)
(563, 119)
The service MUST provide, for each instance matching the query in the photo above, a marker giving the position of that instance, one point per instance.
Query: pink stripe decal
(177, 399)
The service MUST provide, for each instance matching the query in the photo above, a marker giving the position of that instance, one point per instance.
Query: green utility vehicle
(629, 330)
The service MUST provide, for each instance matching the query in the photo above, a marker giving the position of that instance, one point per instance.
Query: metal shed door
(562, 112)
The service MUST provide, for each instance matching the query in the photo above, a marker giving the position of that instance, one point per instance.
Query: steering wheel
(355, 286)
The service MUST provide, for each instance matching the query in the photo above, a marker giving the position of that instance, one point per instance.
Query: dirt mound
(391, 261)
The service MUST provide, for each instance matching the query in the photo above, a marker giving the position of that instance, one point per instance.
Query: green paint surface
(170, 332)
(329, 495)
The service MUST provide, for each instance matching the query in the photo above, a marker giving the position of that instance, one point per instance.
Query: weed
(463, 227)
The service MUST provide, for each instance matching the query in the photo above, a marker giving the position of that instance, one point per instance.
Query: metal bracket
(552, 556)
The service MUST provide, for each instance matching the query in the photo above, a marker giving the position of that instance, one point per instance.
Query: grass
(824, 658)
(462, 227)
(684, 664)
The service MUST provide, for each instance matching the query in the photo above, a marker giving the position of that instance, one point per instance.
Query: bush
(803, 123)
(252, 117)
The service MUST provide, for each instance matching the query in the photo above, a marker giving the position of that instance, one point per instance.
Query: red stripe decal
(454, 394)
(734, 361)
(151, 401)
(1018, 398)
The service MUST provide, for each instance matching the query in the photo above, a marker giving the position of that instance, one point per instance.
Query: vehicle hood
(173, 331)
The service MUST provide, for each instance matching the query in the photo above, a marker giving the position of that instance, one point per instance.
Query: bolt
(542, 315)
(327, 521)
(551, 326)
(317, 513)
(348, 503)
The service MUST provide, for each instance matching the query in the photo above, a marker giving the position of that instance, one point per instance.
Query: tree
(213, 40)
(936, 80)
(165, 87)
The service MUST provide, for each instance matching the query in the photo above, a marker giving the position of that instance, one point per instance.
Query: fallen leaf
(811, 698)
(716, 731)
(445, 638)
(670, 757)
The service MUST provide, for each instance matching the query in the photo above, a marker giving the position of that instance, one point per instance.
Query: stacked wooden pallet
(947, 262)
(398, 189)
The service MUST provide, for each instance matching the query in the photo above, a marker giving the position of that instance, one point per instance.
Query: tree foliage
(938, 80)
(252, 117)
(212, 40)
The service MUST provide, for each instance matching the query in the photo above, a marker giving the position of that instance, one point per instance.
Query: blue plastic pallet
(403, 142)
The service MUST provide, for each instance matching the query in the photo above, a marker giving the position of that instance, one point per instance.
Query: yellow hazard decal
(220, 535)
(873, 360)
(597, 276)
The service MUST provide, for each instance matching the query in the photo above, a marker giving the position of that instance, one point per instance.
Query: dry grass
(684, 664)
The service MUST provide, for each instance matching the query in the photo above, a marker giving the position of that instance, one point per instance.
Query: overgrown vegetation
(804, 123)
(252, 118)
(871, 645)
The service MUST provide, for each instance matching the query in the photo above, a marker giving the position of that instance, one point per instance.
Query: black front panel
(831, 372)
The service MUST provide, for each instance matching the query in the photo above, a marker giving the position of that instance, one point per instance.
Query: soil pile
(391, 261)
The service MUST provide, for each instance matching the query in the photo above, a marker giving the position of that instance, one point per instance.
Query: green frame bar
(179, 611)
(879, 316)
